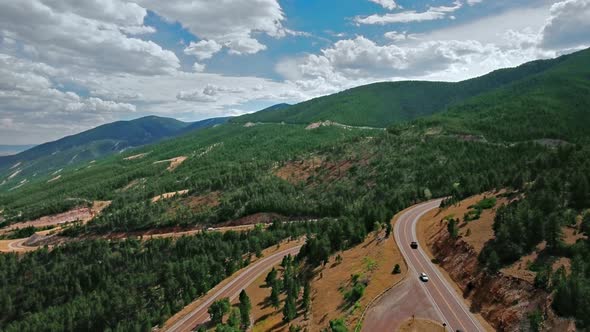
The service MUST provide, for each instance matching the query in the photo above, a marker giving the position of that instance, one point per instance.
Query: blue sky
(325, 23)
(67, 65)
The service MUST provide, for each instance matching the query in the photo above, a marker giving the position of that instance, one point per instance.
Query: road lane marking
(449, 288)
(407, 230)
(410, 265)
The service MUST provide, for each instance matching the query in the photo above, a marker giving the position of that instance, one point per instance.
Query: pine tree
(290, 310)
(234, 318)
(274, 295)
(271, 277)
(245, 307)
(218, 309)
(306, 297)
(493, 261)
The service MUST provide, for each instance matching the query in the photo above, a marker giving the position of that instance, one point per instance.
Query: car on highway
(414, 245)
(423, 277)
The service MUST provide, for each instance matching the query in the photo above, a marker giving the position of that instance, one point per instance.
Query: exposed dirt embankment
(505, 301)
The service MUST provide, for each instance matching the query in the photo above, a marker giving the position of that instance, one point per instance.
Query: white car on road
(423, 277)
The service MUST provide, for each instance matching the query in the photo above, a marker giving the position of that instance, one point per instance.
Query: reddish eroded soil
(480, 231)
(519, 269)
(319, 168)
(83, 214)
(299, 171)
(571, 234)
(201, 202)
(504, 298)
(253, 219)
(565, 262)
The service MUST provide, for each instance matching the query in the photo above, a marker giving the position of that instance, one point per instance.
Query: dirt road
(447, 302)
(232, 289)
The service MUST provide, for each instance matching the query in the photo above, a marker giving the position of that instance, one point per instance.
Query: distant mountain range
(7, 150)
(387, 103)
(96, 143)
(537, 100)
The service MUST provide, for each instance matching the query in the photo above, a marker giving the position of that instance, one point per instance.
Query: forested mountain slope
(384, 104)
(553, 104)
(93, 144)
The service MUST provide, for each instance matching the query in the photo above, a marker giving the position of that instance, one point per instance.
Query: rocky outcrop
(504, 301)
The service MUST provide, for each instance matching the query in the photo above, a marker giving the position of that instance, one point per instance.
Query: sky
(69, 65)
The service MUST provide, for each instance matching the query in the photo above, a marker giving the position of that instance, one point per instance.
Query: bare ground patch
(83, 214)
(571, 235)
(256, 218)
(476, 233)
(373, 260)
(201, 202)
(519, 269)
(299, 171)
(54, 179)
(317, 168)
(169, 195)
(174, 162)
(136, 156)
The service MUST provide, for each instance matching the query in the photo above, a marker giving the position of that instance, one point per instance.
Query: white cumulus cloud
(387, 4)
(433, 13)
(203, 49)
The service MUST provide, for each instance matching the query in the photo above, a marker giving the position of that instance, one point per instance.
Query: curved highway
(448, 303)
(199, 315)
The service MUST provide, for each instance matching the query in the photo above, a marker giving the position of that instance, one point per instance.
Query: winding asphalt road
(199, 315)
(447, 302)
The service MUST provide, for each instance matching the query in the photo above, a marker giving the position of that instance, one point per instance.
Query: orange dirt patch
(519, 269)
(201, 202)
(563, 261)
(480, 230)
(302, 170)
(174, 162)
(169, 195)
(420, 325)
(253, 219)
(299, 171)
(571, 235)
(327, 297)
(137, 156)
(83, 214)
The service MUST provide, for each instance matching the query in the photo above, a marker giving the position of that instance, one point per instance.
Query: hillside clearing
(136, 156)
(169, 195)
(174, 162)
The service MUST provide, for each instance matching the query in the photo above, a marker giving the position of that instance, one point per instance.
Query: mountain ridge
(99, 142)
